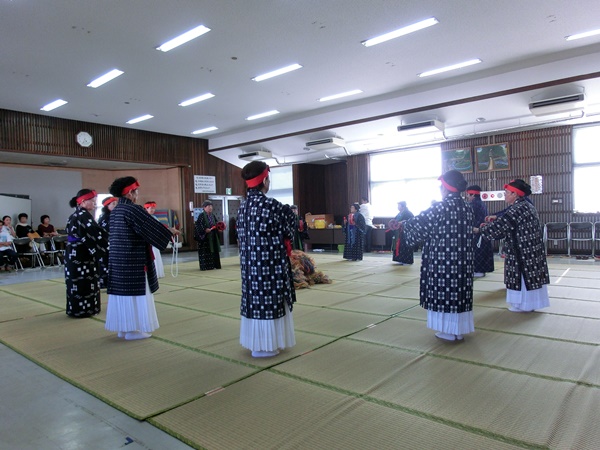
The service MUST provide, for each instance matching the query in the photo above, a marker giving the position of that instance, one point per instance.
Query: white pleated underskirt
(528, 300)
(158, 263)
(268, 335)
(131, 313)
(451, 323)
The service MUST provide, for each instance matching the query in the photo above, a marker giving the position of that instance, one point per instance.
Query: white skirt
(528, 300)
(131, 313)
(268, 335)
(158, 263)
(451, 323)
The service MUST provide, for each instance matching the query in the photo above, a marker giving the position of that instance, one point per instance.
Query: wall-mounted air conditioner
(258, 155)
(428, 126)
(556, 105)
(321, 144)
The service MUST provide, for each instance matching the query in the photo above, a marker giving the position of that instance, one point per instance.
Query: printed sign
(205, 184)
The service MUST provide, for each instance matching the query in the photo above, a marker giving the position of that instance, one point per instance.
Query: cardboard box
(310, 219)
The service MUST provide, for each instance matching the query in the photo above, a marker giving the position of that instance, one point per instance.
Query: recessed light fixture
(182, 39)
(261, 115)
(105, 78)
(448, 68)
(139, 119)
(400, 32)
(204, 130)
(341, 95)
(582, 35)
(200, 98)
(55, 104)
(277, 72)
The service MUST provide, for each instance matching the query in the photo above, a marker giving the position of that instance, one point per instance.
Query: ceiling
(53, 49)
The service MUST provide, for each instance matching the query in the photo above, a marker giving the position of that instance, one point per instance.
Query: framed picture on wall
(460, 159)
(492, 157)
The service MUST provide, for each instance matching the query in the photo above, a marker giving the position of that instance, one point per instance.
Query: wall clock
(84, 139)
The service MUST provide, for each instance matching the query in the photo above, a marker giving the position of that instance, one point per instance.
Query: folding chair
(44, 246)
(32, 253)
(58, 247)
(581, 232)
(557, 232)
(596, 237)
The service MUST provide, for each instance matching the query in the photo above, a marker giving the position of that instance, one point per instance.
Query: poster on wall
(492, 157)
(205, 184)
(459, 159)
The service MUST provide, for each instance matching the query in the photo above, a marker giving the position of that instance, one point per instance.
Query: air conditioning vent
(258, 155)
(321, 144)
(556, 105)
(428, 126)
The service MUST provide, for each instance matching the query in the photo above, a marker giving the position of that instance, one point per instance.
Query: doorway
(225, 207)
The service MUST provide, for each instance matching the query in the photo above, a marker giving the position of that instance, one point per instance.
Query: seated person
(23, 229)
(9, 256)
(45, 229)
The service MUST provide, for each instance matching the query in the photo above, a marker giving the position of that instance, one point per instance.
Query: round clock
(84, 139)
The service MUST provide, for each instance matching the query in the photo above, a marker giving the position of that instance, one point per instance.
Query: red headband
(473, 191)
(517, 191)
(150, 205)
(253, 182)
(85, 197)
(131, 187)
(446, 185)
(107, 201)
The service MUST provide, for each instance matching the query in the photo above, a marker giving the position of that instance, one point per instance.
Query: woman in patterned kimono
(131, 272)
(484, 254)
(525, 268)
(87, 241)
(445, 231)
(402, 253)
(158, 262)
(265, 229)
(354, 229)
(206, 234)
(108, 205)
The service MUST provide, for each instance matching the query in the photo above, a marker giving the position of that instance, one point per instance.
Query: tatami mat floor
(365, 373)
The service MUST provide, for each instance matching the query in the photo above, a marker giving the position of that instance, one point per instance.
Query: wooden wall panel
(546, 152)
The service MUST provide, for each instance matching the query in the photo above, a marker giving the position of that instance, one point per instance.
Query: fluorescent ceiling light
(400, 32)
(105, 78)
(448, 68)
(582, 35)
(139, 119)
(55, 104)
(200, 98)
(204, 130)
(277, 72)
(261, 115)
(343, 94)
(182, 39)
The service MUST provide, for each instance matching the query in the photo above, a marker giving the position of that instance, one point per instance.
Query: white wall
(49, 190)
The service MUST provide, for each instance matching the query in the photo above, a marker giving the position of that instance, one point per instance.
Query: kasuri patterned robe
(263, 225)
(521, 230)
(445, 231)
(133, 232)
(355, 229)
(87, 242)
(208, 243)
(104, 222)
(401, 251)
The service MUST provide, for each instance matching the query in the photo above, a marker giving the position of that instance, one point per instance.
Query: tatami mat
(366, 372)
(270, 411)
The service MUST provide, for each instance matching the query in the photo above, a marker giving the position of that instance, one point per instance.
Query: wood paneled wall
(43, 135)
(546, 152)
(320, 189)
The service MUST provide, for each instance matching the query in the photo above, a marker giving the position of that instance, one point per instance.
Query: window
(282, 184)
(586, 168)
(409, 175)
